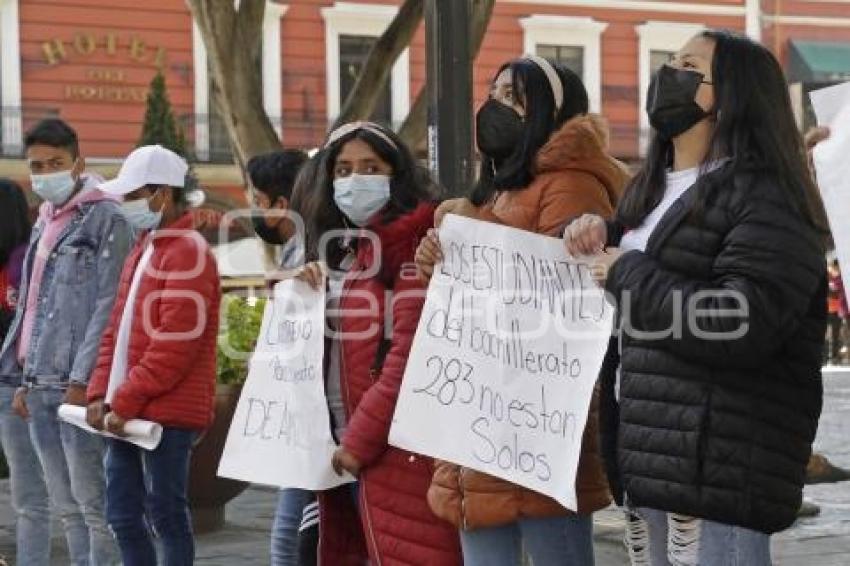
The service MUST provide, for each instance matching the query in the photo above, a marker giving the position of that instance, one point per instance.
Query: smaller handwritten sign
(832, 106)
(280, 434)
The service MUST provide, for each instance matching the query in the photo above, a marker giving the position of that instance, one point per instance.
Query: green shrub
(240, 327)
(160, 126)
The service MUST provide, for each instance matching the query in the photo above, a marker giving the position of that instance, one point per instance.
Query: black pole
(448, 31)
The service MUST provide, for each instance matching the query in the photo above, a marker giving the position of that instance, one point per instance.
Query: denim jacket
(75, 298)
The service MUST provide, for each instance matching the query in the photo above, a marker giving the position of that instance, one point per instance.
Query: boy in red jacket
(157, 359)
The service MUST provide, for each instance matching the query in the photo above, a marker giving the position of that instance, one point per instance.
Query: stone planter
(208, 493)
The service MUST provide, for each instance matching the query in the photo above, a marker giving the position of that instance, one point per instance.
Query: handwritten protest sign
(281, 434)
(505, 358)
(832, 107)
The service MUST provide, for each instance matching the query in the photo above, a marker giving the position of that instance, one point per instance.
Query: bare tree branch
(364, 96)
(233, 42)
(415, 127)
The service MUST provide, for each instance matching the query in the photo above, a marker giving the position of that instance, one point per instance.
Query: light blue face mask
(361, 197)
(56, 188)
(140, 216)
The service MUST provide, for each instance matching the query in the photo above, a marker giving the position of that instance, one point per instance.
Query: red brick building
(90, 62)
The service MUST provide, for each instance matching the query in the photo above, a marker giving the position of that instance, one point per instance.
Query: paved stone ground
(819, 541)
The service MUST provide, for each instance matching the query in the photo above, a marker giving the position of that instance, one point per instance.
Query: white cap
(148, 165)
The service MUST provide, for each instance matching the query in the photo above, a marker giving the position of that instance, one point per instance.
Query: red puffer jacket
(172, 351)
(399, 527)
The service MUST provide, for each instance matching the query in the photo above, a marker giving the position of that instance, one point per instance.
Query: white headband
(351, 127)
(552, 75)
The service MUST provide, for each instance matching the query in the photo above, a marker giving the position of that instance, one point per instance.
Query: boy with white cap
(157, 360)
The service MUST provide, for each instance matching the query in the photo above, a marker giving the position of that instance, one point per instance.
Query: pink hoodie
(55, 220)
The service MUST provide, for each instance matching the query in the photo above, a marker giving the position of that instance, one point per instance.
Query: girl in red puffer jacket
(370, 186)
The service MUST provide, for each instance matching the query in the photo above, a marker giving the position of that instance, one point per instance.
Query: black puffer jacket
(719, 429)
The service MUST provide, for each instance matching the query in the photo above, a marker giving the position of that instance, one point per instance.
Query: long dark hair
(14, 219)
(409, 186)
(531, 86)
(754, 130)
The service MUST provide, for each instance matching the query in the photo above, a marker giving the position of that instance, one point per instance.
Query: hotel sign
(102, 83)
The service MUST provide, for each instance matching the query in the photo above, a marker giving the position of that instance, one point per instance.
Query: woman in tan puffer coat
(537, 175)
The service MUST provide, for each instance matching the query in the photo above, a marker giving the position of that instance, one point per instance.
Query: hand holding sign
(344, 461)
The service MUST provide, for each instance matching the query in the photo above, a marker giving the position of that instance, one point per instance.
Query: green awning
(819, 61)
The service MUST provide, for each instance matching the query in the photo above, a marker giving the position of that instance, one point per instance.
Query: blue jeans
(553, 541)
(658, 538)
(142, 484)
(72, 463)
(287, 521)
(29, 492)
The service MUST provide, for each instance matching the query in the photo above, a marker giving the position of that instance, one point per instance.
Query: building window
(658, 58)
(11, 135)
(350, 30)
(570, 56)
(210, 135)
(353, 52)
(572, 41)
(657, 43)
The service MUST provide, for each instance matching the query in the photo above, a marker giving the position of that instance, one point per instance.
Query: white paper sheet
(832, 163)
(144, 434)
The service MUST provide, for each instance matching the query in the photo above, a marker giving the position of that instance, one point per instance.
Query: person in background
(544, 163)
(15, 230)
(157, 361)
(273, 177)
(712, 397)
(29, 492)
(837, 313)
(67, 289)
(369, 185)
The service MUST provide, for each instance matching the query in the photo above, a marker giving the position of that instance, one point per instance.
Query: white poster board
(280, 434)
(505, 358)
(832, 163)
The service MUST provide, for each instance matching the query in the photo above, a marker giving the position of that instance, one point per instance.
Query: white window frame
(272, 64)
(202, 95)
(689, 8)
(753, 19)
(272, 73)
(10, 77)
(657, 36)
(370, 20)
(569, 31)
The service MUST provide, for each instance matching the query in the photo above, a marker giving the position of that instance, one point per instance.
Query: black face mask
(671, 103)
(268, 235)
(498, 130)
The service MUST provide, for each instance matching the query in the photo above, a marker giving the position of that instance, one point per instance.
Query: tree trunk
(361, 101)
(232, 36)
(415, 127)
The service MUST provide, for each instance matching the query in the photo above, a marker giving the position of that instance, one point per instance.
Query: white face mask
(361, 197)
(56, 188)
(140, 216)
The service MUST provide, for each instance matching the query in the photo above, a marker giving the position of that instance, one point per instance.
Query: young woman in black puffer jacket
(712, 389)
